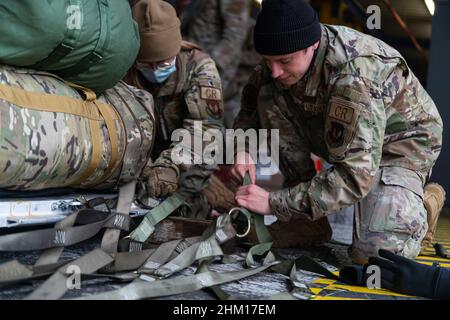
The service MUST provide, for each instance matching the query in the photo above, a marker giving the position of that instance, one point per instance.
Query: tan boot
(434, 198)
(218, 195)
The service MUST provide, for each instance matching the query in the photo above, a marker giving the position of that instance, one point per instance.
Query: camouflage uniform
(192, 93)
(220, 28)
(361, 109)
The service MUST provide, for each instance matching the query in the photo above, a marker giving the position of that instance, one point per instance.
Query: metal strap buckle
(248, 222)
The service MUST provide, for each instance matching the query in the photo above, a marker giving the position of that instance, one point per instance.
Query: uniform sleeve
(235, 27)
(354, 134)
(203, 98)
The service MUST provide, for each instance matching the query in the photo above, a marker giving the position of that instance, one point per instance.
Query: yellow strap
(87, 109)
(48, 102)
(88, 93)
(111, 116)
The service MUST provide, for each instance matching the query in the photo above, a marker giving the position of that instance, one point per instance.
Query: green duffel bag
(92, 43)
(56, 135)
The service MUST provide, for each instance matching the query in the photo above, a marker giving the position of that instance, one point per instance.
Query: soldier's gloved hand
(406, 276)
(161, 182)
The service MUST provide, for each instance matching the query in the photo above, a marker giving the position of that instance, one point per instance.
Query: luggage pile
(55, 129)
(54, 134)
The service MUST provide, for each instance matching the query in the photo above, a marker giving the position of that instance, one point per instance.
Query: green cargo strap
(52, 255)
(177, 285)
(261, 230)
(208, 247)
(102, 43)
(111, 236)
(264, 237)
(156, 215)
(67, 45)
(128, 261)
(55, 286)
(159, 257)
(216, 290)
(51, 238)
(200, 250)
(15, 272)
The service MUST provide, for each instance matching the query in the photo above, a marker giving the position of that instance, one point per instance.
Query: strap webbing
(48, 102)
(159, 257)
(264, 237)
(200, 250)
(52, 255)
(110, 239)
(112, 118)
(177, 285)
(55, 286)
(156, 215)
(50, 238)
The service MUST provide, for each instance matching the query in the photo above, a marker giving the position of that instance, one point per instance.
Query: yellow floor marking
(334, 298)
(433, 259)
(324, 281)
(364, 290)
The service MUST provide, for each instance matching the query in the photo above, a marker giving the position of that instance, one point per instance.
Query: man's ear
(316, 45)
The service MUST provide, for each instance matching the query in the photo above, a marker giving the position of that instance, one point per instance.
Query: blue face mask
(160, 74)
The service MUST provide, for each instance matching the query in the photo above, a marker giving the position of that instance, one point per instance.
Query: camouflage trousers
(392, 216)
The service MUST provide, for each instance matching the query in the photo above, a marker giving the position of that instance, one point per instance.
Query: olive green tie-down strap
(156, 215)
(208, 247)
(178, 285)
(51, 238)
(263, 235)
(55, 286)
(52, 255)
(110, 239)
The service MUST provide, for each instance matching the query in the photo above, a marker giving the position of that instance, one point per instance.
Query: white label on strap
(171, 266)
(204, 249)
(146, 278)
(205, 279)
(119, 220)
(221, 235)
(152, 265)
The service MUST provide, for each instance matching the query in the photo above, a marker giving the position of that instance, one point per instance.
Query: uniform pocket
(399, 207)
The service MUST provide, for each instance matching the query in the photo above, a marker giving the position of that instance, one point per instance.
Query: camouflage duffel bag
(54, 134)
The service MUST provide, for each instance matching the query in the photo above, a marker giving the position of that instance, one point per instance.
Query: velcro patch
(342, 110)
(210, 93)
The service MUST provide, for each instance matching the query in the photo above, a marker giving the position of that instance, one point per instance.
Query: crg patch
(342, 110)
(341, 123)
(210, 93)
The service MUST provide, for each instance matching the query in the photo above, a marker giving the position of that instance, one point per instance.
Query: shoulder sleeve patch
(342, 110)
(210, 93)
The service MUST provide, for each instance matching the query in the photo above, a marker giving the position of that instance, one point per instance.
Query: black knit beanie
(285, 26)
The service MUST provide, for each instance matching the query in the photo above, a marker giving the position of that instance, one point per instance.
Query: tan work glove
(161, 181)
(218, 195)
